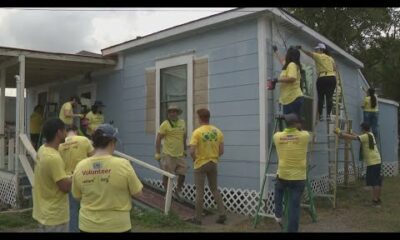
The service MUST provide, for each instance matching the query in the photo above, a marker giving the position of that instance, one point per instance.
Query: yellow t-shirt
(324, 64)
(65, 119)
(371, 156)
(94, 121)
(173, 137)
(291, 145)
(367, 105)
(207, 139)
(36, 122)
(105, 185)
(290, 91)
(74, 150)
(50, 204)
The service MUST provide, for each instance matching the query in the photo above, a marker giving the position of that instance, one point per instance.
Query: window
(173, 87)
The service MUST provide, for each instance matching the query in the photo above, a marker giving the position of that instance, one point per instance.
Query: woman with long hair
(105, 185)
(371, 111)
(326, 81)
(291, 96)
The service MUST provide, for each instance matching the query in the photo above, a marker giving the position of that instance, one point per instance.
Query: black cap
(99, 103)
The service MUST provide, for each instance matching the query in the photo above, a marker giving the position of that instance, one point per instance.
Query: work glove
(337, 131)
(271, 83)
(157, 156)
(274, 48)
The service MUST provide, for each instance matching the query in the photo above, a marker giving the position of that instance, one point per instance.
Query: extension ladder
(333, 145)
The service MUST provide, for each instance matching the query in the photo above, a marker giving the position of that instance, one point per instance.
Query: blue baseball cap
(109, 131)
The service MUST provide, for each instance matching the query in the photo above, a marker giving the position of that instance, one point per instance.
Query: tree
(370, 34)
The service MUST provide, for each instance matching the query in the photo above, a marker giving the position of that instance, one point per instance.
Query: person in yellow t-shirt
(206, 146)
(372, 158)
(371, 112)
(326, 81)
(66, 112)
(105, 185)
(95, 117)
(52, 184)
(35, 124)
(291, 146)
(172, 159)
(73, 151)
(290, 96)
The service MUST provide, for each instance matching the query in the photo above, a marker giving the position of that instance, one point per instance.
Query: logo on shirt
(209, 136)
(96, 165)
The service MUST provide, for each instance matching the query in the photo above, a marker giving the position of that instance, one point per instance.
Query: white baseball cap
(320, 46)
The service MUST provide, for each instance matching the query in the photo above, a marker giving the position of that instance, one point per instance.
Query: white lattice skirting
(8, 189)
(244, 201)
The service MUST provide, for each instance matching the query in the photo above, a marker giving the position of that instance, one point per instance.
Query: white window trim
(171, 62)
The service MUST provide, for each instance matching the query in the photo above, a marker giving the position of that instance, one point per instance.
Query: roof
(225, 17)
(44, 67)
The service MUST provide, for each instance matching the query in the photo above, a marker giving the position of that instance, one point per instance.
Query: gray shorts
(54, 228)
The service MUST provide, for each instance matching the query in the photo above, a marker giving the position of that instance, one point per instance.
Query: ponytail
(371, 93)
(371, 141)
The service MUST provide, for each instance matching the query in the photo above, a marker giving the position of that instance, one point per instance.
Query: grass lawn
(352, 214)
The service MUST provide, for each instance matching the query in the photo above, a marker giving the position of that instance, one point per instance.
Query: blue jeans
(295, 190)
(372, 119)
(74, 206)
(294, 107)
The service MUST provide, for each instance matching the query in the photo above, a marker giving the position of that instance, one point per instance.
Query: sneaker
(376, 204)
(178, 196)
(194, 221)
(221, 219)
(279, 221)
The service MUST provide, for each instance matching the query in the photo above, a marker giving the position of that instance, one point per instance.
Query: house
(220, 62)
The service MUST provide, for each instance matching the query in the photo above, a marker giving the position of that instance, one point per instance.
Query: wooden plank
(27, 167)
(28, 146)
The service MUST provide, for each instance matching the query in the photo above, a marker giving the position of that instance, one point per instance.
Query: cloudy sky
(71, 30)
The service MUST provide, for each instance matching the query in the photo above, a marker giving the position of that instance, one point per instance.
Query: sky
(70, 30)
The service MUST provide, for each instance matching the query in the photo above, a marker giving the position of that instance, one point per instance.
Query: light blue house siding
(233, 99)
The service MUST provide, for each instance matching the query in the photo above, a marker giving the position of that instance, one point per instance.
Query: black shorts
(374, 177)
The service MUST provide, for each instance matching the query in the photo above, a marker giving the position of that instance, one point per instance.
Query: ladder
(308, 199)
(333, 145)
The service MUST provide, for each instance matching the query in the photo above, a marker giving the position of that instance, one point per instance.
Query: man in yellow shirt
(206, 146)
(95, 117)
(172, 159)
(36, 122)
(372, 158)
(291, 146)
(105, 185)
(66, 112)
(326, 82)
(73, 151)
(52, 184)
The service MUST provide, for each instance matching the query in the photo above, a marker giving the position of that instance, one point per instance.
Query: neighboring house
(220, 62)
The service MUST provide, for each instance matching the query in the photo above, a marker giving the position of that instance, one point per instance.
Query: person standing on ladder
(73, 150)
(291, 145)
(35, 124)
(291, 96)
(371, 156)
(371, 111)
(66, 112)
(95, 117)
(172, 159)
(326, 82)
